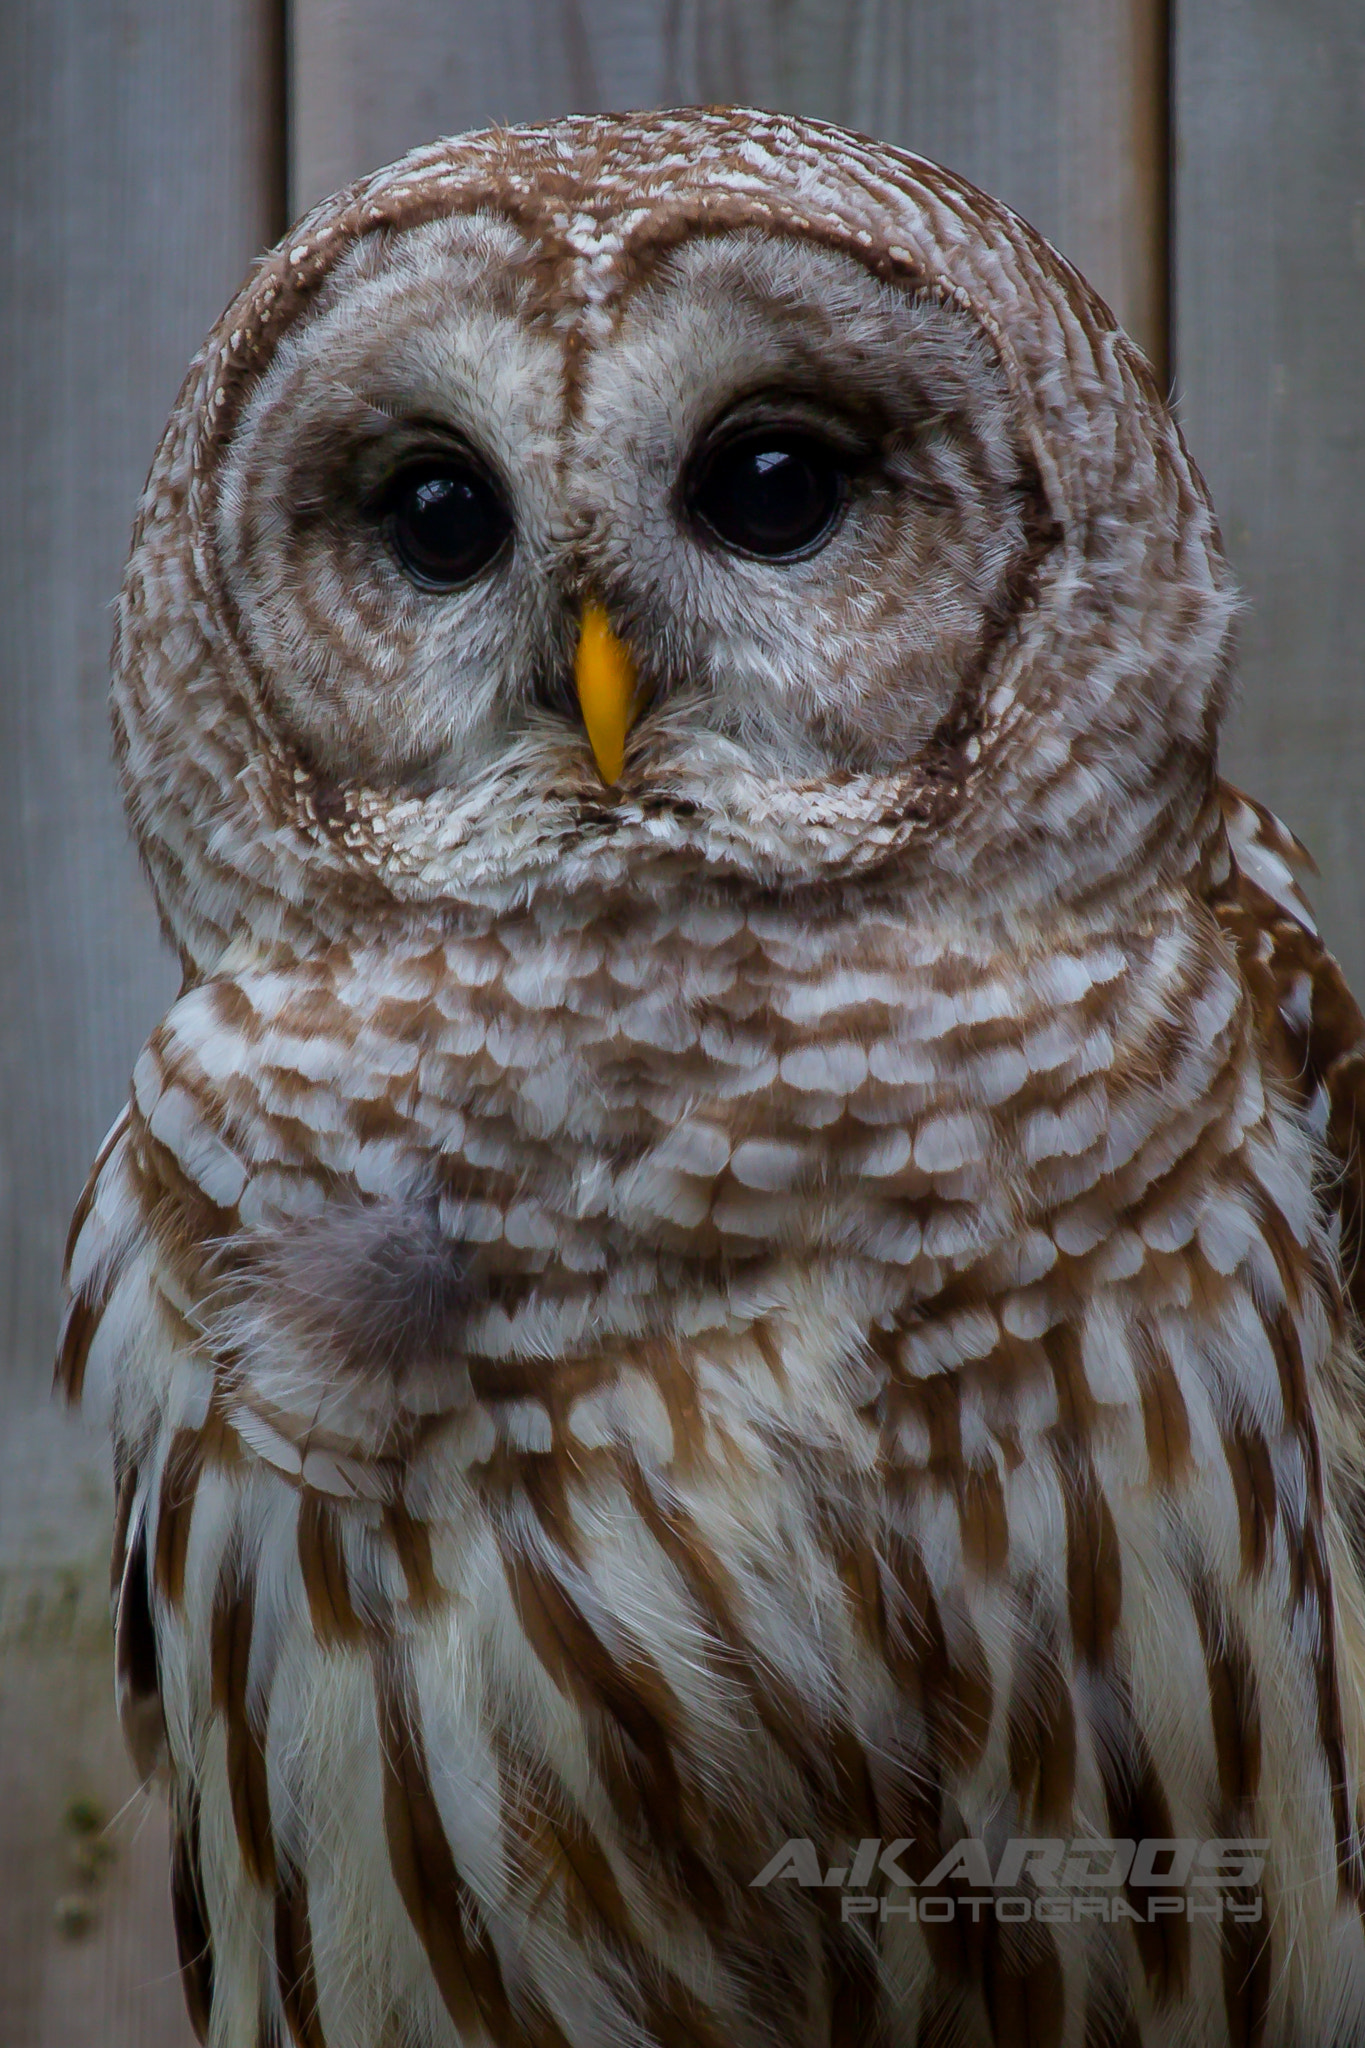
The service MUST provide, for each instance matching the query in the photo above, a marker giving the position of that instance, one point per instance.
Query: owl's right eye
(446, 523)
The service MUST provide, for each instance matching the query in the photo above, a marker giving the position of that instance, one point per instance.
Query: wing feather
(1309, 1022)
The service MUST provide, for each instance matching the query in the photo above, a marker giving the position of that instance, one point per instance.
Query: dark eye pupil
(447, 524)
(773, 495)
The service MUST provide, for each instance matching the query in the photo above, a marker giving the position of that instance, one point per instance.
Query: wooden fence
(1202, 160)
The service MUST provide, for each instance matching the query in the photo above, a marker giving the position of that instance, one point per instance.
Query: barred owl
(725, 1303)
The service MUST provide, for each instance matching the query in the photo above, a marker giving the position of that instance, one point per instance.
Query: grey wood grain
(139, 161)
(1056, 106)
(1270, 337)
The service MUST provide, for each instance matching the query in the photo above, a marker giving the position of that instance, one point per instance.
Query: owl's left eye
(446, 522)
(773, 494)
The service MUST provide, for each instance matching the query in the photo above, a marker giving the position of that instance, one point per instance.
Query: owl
(725, 1304)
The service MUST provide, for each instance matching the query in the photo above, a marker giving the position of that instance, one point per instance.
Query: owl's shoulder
(262, 1090)
(1309, 1026)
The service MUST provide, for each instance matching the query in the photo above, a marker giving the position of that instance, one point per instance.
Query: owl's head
(702, 500)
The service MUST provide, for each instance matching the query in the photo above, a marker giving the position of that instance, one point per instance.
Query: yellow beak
(605, 677)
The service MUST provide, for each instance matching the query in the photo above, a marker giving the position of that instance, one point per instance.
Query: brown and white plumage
(804, 1296)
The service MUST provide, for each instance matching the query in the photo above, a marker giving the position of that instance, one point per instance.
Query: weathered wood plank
(1056, 106)
(1269, 320)
(139, 144)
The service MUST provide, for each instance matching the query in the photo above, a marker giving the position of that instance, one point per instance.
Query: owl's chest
(727, 1153)
(636, 1130)
(643, 1146)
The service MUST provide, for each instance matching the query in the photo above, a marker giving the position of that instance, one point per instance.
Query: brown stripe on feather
(937, 1399)
(1024, 1986)
(977, 1492)
(1075, 1403)
(1337, 1031)
(543, 1479)
(675, 1378)
(1139, 1811)
(443, 1910)
(983, 1524)
(295, 1977)
(523, 1379)
(190, 1915)
(549, 1838)
(86, 1201)
(538, 1480)
(1234, 1706)
(179, 1484)
(436, 1899)
(1344, 1079)
(124, 1495)
(855, 1560)
(930, 1826)
(1006, 1434)
(944, 1737)
(81, 1316)
(1165, 1418)
(1284, 1342)
(248, 1786)
(1236, 1718)
(950, 1684)
(412, 1541)
(912, 1809)
(638, 1719)
(136, 1666)
(1290, 1262)
(1041, 1731)
(763, 1337)
(1094, 1566)
(325, 1579)
(1253, 1483)
(1247, 1973)
(635, 1695)
(1350, 1851)
(80, 1321)
(827, 1756)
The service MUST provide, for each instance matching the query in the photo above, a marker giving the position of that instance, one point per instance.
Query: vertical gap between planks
(1164, 197)
(1150, 183)
(279, 62)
